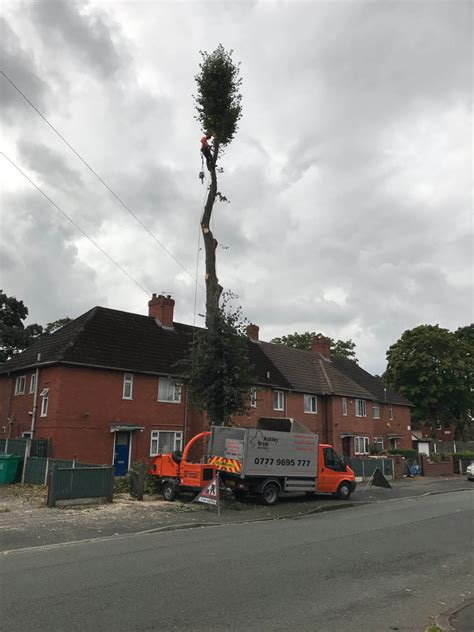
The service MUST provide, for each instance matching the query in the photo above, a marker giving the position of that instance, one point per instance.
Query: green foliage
(51, 328)
(339, 348)
(463, 454)
(408, 453)
(434, 368)
(14, 336)
(218, 371)
(218, 101)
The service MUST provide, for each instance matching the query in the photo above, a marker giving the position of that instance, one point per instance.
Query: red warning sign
(210, 494)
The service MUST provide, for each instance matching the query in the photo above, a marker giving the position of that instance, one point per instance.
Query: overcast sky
(350, 177)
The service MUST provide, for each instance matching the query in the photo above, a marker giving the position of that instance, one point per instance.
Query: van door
(331, 472)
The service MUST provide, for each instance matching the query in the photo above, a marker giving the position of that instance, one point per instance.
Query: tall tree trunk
(213, 289)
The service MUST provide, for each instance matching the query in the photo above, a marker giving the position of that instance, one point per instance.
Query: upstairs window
(253, 397)
(344, 406)
(361, 408)
(310, 404)
(376, 410)
(169, 390)
(278, 400)
(165, 442)
(32, 383)
(127, 386)
(20, 385)
(44, 402)
(390, 411)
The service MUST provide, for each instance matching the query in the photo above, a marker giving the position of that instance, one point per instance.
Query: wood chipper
(174, 473)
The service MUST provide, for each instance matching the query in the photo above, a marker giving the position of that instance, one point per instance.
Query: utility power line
(58, 208)
(101, 180)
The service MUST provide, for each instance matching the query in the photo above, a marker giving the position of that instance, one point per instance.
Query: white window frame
(27, 434)
(44, 402)
(375, 407)
(345, 407)
(173, 390)
(378, 443)
(278, 400)
(390, 412)
(20, 385)
(127, 382)
(360, 408)
(32, 383)
(253, 397)
(309, 400)
(361, 445)
(155, 437)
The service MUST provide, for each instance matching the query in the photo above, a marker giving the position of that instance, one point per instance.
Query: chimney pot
(321, 344)
(252, 331)
(162, 308)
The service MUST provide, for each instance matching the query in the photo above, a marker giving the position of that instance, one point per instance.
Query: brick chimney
(252, 331)
(162, 307)
(321, 345)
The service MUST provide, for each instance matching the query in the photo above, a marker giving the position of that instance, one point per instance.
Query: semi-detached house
(106, 389)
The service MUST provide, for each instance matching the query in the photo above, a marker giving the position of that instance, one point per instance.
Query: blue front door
(122, 453)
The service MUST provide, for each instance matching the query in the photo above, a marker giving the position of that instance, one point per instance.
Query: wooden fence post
(51, 490)
(26, 456)
(112, 481)
(46, 472)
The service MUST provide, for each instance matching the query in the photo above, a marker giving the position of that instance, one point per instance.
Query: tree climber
(206, 150)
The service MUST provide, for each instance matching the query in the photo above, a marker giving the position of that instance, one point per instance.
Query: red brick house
(105, 388)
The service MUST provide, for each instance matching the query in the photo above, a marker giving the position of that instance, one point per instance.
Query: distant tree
(466, 335)
(218, 370)
(434, 368)
(51, 328)
(339, 348)
(14, 336)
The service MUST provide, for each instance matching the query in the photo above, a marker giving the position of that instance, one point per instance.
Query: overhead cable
(58, 208)
(101, 180)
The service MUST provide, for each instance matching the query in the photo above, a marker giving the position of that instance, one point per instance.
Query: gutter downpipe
(35, 401)
(326, 418)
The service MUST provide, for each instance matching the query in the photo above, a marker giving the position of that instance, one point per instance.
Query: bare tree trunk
(213, 289)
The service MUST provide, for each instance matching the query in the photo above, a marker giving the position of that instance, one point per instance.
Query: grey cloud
(20, 65)
(89, 35)
(49, 164)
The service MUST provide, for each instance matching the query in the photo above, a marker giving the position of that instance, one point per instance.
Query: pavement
(378, 564)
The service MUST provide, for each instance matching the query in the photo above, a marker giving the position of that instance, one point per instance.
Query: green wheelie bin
(8, 468)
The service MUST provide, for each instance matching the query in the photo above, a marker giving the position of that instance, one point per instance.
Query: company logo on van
(263, 441)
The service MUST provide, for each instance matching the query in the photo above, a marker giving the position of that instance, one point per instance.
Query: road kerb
(443, 620)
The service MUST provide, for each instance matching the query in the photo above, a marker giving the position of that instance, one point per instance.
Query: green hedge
(408, 453)
(463, 455)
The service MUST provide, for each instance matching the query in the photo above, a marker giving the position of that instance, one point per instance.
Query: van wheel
(270, 494)
(343, 491)
(169, 491)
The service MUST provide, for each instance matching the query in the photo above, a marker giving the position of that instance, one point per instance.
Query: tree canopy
(218, 371)
(434, 368)
(218, 100)
(15, 337)
(340, 348)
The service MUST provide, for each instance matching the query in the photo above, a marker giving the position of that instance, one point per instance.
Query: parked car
(470, 471)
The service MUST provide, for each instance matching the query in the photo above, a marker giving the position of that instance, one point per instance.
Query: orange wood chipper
(175, 473)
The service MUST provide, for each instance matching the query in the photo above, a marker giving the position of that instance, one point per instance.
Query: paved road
(384, 566)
